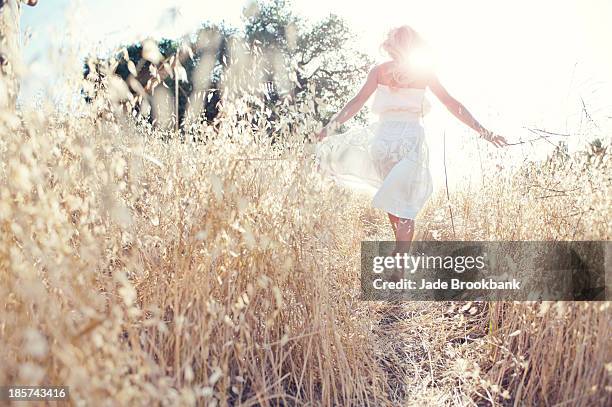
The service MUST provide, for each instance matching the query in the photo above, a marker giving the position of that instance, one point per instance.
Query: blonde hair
(399, 45)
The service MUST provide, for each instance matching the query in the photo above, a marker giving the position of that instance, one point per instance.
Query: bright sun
(421, 59)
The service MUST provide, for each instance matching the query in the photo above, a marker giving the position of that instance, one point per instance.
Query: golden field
(138, 271)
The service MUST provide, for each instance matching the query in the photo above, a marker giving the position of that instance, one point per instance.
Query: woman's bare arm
(461, 112)
(354, 105)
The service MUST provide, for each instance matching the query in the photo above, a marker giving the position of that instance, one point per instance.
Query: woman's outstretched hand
(495, 139)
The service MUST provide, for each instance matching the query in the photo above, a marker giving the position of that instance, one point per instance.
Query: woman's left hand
(495, 139)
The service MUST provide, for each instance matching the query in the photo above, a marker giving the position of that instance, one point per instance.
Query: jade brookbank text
(453, 284)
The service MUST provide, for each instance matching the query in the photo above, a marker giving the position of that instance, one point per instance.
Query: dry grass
(143, 272)
(551, 353)
(174, 272)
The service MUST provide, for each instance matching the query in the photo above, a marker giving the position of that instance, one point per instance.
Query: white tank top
(397, 103)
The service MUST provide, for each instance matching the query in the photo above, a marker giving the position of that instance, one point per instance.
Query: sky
(514, 64)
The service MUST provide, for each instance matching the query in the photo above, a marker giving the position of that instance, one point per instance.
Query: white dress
(387, 159)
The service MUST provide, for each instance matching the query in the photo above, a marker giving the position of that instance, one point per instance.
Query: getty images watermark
(486, 271)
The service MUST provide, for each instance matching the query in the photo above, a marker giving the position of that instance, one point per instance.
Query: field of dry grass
(138, 271)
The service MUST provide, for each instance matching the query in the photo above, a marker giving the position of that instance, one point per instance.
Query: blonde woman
(389, 157)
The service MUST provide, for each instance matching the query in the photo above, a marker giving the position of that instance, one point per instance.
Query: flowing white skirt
(388, 160)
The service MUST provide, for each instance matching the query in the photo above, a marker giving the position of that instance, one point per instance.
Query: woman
(389, 157)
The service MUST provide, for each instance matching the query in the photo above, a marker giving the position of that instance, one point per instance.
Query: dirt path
(431, 350)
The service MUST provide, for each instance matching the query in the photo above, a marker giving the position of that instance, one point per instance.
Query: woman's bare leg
(404, 232)
(403, 229)
(393, 219)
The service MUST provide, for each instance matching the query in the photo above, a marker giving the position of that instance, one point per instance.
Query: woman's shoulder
(380, 70)
(383, 67)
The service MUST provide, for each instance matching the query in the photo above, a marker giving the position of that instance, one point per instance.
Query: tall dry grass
(550, 353)
(140, 271)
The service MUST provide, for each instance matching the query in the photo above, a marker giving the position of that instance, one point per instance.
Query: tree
(291, 57)
(175, 65)
(322, 54)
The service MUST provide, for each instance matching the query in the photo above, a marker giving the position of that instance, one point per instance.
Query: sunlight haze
(513, 64)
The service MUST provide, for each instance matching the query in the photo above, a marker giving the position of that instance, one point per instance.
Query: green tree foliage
(322, 54)
(296, 57)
